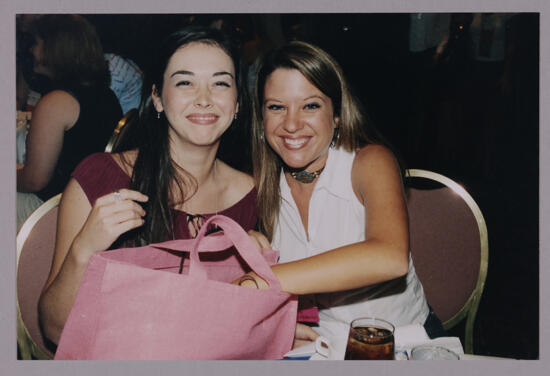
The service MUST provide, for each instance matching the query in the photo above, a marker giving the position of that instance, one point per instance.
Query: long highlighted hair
(354, 129)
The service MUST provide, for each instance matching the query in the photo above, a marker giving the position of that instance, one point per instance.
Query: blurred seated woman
(169, 179)
(330, 197)
(75, 118)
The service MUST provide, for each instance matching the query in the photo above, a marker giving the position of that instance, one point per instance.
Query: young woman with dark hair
(170, 177)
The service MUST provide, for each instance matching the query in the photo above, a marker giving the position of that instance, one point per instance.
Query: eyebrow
(314, 97)
(192, 74)
(304, 100)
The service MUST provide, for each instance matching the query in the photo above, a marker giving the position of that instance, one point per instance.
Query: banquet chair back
(35, 249)
(122, 126)
(449, 247)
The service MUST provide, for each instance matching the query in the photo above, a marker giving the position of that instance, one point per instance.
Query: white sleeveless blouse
(337, 218)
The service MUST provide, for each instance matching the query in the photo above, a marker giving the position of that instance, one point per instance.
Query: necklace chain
(306, 176)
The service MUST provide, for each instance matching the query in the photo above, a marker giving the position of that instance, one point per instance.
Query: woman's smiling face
(199, 94)
(298, 118)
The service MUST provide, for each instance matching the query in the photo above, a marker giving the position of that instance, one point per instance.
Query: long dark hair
(154, 171)
(72, 50)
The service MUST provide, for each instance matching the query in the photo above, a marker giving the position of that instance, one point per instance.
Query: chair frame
(114, 139)
(27, 345)
(469, 309)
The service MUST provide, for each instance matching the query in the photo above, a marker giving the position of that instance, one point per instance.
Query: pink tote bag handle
(233, 235)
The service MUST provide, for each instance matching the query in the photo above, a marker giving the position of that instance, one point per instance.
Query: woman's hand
(260, 240)
(111, 216)
(252, 280)
(303, 335)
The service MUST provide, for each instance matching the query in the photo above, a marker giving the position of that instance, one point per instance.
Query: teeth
(295, 142)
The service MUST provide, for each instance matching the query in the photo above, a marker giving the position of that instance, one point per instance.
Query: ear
(237, 108)
(336, 121)
(157, 101)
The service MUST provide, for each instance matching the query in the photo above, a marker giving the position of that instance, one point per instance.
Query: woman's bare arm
(55, 113)
(82, 230)
(384, 253)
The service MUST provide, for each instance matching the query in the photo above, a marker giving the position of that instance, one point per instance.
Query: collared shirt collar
(332, 178)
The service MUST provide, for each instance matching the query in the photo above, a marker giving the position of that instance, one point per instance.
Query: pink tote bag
(133, 304)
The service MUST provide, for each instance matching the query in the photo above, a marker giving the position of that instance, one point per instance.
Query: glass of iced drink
(370, 338)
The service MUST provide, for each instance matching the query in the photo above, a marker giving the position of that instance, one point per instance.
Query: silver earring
(262, 137)
(235, 116)
(158, 115)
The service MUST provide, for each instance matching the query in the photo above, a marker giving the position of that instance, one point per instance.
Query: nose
(292, 121)
(203, 98)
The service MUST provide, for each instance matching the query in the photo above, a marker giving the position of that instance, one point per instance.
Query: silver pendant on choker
(306, 176)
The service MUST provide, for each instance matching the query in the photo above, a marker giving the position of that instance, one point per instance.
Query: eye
(274, 107)
(312, 106)
(183, 83)
(222, 83)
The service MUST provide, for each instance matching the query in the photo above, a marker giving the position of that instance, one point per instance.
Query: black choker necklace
(305, 176)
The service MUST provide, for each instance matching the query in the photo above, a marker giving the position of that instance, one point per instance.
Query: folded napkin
(334, 341)
(302, 352)
(408, 335)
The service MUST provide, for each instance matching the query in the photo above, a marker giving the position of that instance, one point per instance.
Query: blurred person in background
(126, 81)
(75, 117)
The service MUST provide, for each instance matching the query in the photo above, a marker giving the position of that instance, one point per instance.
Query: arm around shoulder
(384, 253)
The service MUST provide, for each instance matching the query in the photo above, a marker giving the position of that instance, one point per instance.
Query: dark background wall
(476, 123)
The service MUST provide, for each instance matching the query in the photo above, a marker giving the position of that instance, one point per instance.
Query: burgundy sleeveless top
(99, 174)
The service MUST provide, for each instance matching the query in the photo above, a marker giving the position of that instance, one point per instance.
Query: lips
(295, 143)
(202, 119)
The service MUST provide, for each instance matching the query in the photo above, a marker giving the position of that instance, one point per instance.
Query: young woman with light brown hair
(330, 195)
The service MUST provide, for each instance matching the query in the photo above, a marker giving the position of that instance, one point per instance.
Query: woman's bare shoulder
(57, 107)
(373, 159)
(374, 154)
(58, 96)
(374, 166)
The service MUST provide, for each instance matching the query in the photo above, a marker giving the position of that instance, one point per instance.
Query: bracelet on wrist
(246, 277)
